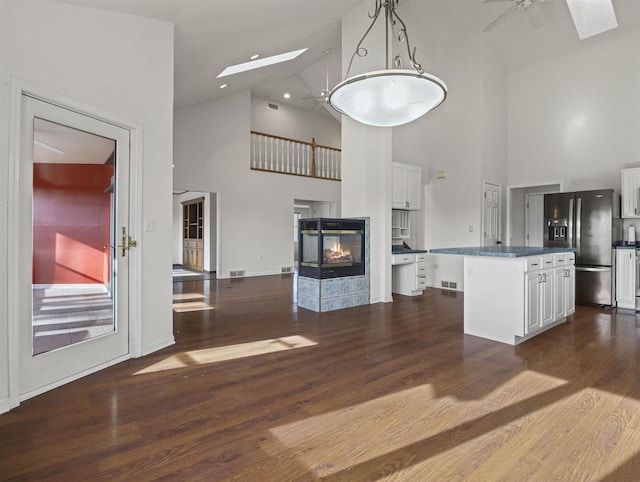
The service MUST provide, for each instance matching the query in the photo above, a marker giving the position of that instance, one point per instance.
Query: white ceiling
(78, 147)
(212, 34)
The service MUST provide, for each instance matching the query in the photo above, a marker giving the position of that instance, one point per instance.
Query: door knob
(127, 242)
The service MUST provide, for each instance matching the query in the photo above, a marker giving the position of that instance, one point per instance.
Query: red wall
(71, 223)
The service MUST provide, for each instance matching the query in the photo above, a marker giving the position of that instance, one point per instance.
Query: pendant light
(389, 97)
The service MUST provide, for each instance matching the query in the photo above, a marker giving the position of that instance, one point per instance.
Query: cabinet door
(399, 193)
(570, 290)
(625, 277)
(559, 289)
(532, 319)
(630, 193)
(546, 297)
(413, 187)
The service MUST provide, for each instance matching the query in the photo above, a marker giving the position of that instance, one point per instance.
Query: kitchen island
(512, 293)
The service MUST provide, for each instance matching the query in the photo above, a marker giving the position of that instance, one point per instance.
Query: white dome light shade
(386, 98)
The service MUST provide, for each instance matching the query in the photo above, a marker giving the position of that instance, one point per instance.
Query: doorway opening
(525, 213)
(195, 233)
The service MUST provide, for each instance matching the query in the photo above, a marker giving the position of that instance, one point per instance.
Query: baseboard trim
(5, 405)
(75, 376)
(146, 350)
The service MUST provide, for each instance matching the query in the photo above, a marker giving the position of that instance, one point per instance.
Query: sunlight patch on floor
(186, 306)
(335, 441)
(230, 352)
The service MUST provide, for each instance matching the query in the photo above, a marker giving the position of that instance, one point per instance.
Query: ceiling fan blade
(534, 16)
(501, 17)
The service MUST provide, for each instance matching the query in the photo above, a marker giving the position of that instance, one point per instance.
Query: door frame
(18, 88)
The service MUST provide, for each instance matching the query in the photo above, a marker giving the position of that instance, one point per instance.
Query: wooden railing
(290, 156)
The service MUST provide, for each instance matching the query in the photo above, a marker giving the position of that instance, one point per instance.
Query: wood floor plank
(389, 391)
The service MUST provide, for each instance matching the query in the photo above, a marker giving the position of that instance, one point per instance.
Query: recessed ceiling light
(254, 56)
(223, 86)
(286, 95)
(256, 64)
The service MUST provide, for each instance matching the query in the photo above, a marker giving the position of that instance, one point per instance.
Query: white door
(72, 281)
(534, 213)
(491, 214)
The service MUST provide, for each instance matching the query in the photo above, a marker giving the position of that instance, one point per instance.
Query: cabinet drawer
(570, 259)
(421, 282)
(421, 257)
(559, 259)
(546, 261)
(421, 269)
(403, 258)
(533, 263)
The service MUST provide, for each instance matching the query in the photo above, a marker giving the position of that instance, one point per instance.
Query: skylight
(256, 64)
(592, 17)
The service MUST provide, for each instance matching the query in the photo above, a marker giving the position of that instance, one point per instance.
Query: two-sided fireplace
(331, 248)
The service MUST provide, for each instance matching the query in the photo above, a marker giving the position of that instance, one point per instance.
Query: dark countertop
(502, 251)
(402, 250)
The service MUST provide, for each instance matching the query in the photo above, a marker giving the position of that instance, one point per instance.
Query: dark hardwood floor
(255, 389)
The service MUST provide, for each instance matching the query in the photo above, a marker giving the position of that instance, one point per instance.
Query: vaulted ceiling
(212, 34)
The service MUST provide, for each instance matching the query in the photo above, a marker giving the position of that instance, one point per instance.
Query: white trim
(19, 87)
(75, 376)
(158, 346)
(5, 405)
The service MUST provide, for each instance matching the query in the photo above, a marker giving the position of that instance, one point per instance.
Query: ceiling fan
(324, 93)
(530, 7)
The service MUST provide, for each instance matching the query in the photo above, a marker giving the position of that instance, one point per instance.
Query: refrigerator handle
(570, 227)
(578, 224)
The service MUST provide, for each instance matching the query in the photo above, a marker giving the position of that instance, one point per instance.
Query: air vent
(286, 269)
(272, 106)
(444, 284)
(453, 285)
(237, 273)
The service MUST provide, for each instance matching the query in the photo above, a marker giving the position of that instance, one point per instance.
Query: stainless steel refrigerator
(590, 222)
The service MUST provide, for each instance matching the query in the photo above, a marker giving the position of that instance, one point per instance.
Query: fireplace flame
(336, 254)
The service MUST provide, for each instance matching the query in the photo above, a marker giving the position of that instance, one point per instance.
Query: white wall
(294, 123)
(117, 63)
(211, 154)
(466, 136)
(576, 118)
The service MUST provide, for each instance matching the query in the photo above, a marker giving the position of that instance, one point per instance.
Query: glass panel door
(74, 245)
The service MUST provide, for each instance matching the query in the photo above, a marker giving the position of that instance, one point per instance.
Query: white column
(367, 156)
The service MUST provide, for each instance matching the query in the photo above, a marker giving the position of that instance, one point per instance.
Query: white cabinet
(400, 225)
(570, 290)
(513, 299)
(564, 287)
(406, 187)
(631, 193)
(540, 306)
(409, 274)
(626, 278)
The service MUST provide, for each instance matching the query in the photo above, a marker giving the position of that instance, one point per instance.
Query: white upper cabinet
(406, 186)
(631, 193)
